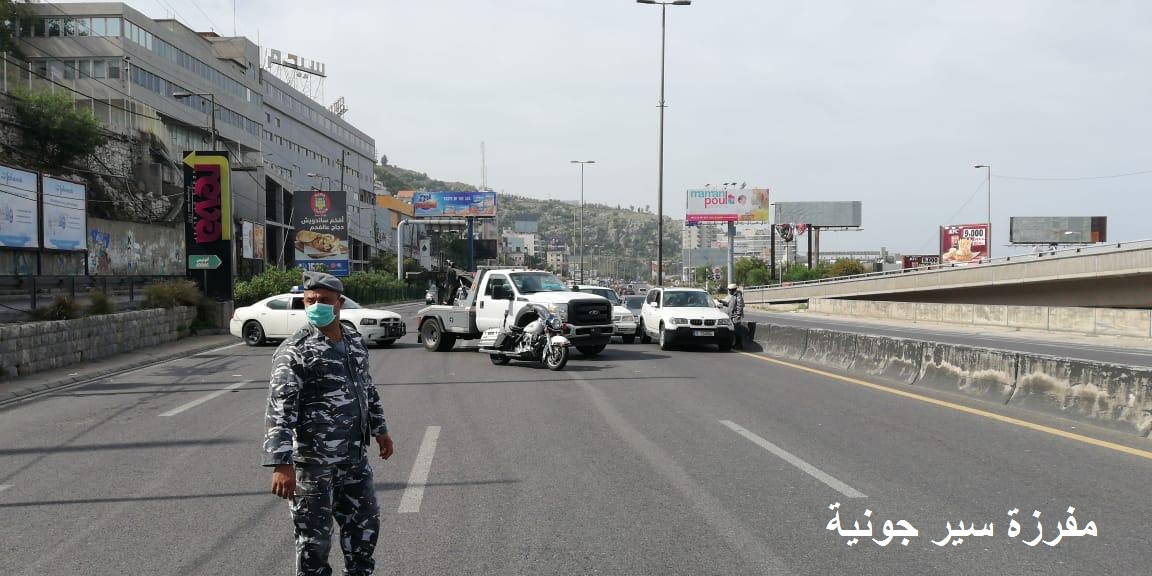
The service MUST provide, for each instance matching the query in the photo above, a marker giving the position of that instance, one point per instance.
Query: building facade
(158, 76)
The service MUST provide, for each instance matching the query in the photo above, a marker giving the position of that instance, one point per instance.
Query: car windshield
(608, 293)
(634, 303)
(350, 304)
(687, 300)
(533, 282)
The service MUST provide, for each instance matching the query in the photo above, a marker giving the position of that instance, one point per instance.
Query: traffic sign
(203, 262)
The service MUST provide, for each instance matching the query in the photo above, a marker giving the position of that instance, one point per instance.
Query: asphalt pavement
(638, 461)
(1077, 346)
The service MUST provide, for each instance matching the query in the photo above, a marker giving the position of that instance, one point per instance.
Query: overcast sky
(887, 102)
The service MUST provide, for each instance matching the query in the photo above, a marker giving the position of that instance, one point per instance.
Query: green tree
(758, 277)
(847, 267)
(744, 268)
(11, 13)
(55, 131)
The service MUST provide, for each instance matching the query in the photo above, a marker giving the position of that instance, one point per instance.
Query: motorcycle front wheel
(555, 357)
(499, 359)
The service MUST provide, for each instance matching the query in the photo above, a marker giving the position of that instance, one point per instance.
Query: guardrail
(1035, 256)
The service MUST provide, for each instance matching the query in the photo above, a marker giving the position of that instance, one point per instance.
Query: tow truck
(499, 293)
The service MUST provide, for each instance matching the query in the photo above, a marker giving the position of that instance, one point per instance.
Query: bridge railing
(1083, 250)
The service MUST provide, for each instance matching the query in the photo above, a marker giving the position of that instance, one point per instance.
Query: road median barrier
(782, 341)
(889, 358)
(830, 348)
(1109, 395)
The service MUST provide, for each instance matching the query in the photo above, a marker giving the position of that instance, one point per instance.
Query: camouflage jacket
(313, 407)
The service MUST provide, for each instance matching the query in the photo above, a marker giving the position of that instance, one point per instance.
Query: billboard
(964, 243)
(484, 249)
(320, 218)
(708, 205)
(820, 214)
(454, 204)
(208, 222)
(252, 240)
(65, 215)
(919, 260)
(19, 225)
(1058, 229)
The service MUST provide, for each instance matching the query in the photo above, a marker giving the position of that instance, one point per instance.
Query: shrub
(99, 304)
(62, 308)
(270, 282)
(847, 267)
(55, 130)
(172, 293)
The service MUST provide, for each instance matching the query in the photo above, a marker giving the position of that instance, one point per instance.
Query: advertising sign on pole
(65, 215)
(439, 204)
(709, 205)
(964, 243)
(208, 219)
(320, 218)
(252, 240)
(18, 219)
(1058, 229)
(920, 260)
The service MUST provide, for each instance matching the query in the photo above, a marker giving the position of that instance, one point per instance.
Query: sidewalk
(13, 390)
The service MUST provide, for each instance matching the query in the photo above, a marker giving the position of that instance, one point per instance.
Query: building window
(113, 69)
(99, 68)
(84, 26)
(69, 69)
(85, 69)
(99, 26)
(113, 26)
(53, 27)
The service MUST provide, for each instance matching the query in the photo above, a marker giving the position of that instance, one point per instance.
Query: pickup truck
(497, 292)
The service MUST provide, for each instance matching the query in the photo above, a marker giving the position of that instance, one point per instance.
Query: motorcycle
(541, 340)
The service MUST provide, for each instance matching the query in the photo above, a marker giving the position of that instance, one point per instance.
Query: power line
(1072, 178)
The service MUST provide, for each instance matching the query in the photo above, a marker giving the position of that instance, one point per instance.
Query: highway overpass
(1112, 275)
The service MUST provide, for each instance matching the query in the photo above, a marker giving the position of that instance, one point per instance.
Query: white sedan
(678, 315)
(623, 321)
(278, 317)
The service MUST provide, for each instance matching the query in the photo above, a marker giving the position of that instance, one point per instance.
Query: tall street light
(582, 163)
(988, 240)
(660, 185)
(212, 99)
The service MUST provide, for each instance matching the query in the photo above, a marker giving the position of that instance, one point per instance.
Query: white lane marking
(795, 461)
(414, 493)
(4, 487)
(204, 399)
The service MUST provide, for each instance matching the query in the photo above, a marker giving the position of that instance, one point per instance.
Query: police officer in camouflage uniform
(323, 412)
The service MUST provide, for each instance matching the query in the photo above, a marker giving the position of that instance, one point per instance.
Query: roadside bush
(173, 293)
(800, 273)
(62, 308)
(847, 267)
(374, 287)
(270, 282)
(100, 304)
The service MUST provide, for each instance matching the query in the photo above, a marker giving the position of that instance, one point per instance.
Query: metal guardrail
(1035, 256)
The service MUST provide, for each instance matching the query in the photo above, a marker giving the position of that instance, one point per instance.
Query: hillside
(625, 235)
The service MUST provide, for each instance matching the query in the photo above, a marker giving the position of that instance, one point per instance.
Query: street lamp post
(988, 240)
(582, 163)
(660, 182)
(212, 98)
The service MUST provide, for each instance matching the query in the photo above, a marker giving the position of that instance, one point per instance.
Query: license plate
(703, 332)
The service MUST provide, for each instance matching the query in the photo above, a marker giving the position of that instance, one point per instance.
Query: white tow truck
(500, 292)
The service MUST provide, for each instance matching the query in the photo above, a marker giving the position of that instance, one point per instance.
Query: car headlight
(723, 322)
(367, 321)
(680, 321)
(618, 318)
(560, 310)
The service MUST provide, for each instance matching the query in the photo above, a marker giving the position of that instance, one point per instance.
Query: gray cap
(314, 280)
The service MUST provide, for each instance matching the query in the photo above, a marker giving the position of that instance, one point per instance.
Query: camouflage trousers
(342, 491)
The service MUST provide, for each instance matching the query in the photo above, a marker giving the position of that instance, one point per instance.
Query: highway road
(1072, 347)
(636, 462)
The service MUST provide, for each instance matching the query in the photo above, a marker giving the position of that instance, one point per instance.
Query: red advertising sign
(964, 243)
(920, 260)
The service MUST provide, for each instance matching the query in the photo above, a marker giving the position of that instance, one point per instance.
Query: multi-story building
(161, 77)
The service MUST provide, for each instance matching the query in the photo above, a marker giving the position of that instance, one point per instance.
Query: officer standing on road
(323, 412)
(735, 309)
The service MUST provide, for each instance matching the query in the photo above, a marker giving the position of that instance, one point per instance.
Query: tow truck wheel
(435, 339)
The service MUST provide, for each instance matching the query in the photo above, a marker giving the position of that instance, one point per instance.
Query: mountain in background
(616, 238)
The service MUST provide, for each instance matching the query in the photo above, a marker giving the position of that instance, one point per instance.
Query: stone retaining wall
(38, 346)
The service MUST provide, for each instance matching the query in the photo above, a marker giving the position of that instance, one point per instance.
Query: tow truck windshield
(533, 282)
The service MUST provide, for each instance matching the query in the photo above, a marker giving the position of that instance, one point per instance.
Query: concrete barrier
(1081, 320)
(1116, 322)
(1105, 394)
(830, 348)
(1028, 317)
(989, 315)
(990, 374)
(894, 359)
(782, 341)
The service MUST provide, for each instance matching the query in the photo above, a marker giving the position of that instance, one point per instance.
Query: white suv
(623, 321)
(681, 315)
